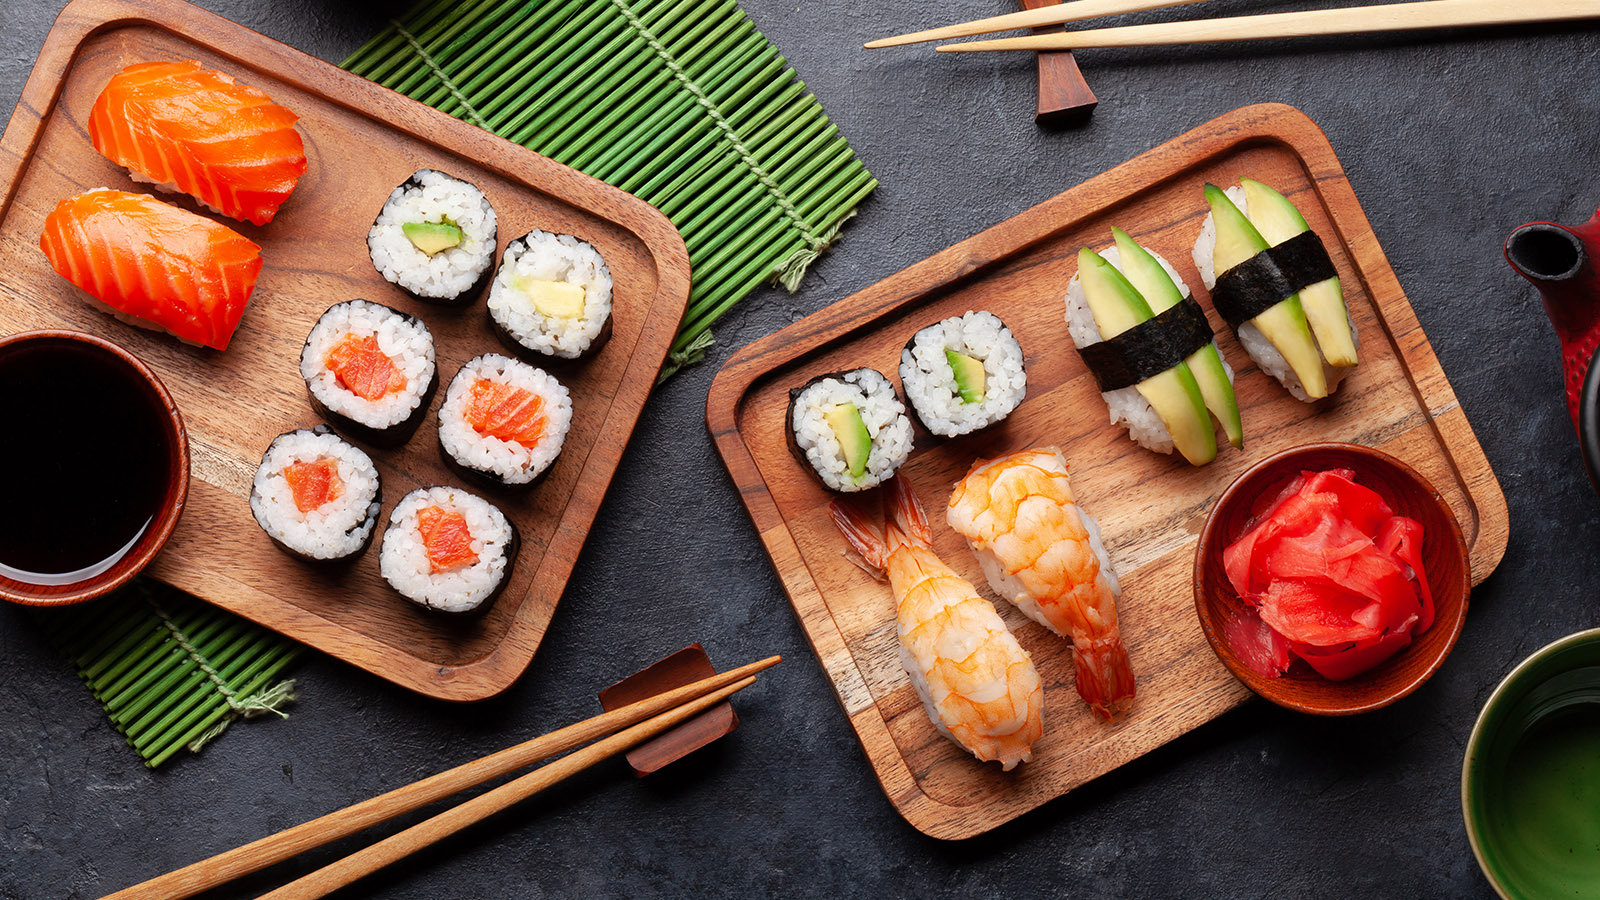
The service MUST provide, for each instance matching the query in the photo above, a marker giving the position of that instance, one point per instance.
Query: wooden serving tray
(361, 141)
(1151, 507)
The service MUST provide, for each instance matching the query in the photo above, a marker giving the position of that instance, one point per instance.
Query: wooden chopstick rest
(1064, 96)
(687, 666)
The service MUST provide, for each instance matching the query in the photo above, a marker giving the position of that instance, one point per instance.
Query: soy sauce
(83, 457)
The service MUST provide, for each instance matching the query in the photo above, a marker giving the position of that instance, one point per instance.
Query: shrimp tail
(1104, 677)
(863, 534)
(903, 515)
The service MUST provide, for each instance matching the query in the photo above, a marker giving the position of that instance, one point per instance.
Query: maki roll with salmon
(963, 373)
(370, 371)
(504, 420)
(317, 497)
(551, 297)
(435, 238)
(1272, 280)
(448, 550)
(1151, 351)
(849, 428)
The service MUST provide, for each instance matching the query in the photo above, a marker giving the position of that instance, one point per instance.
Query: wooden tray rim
(498, 669)
(1275, 122)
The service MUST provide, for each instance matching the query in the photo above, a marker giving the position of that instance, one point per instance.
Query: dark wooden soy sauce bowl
(49, 347)
(1444, 555)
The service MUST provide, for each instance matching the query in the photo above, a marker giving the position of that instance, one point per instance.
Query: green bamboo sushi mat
(171, 671)
(682, 103)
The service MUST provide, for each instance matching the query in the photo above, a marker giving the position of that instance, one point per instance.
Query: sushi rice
(881, 412)
(552, 257)
(1127, 406)
(404, 561)
(404, 339)
(930, 385)
(339, 528)
(434, 197)
(507, 461)
(1261, 350)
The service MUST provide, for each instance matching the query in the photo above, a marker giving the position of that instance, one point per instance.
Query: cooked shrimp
(1042, 553)
(977, 683)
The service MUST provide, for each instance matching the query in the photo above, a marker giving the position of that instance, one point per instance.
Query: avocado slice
(432, 237)
(1148, 277)
(556, 299)
(1278, 220)
(845, 420)
(969, 375)
(1176, 398)
(1284, 324)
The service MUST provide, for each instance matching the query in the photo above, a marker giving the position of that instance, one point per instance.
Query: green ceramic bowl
(1530, 784)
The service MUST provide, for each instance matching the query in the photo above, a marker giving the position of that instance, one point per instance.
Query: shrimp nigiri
(978, 685)
(1041, 552)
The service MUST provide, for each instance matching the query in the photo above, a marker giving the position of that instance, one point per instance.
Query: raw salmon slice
(223, 143)
(505, 411)
(446, 538)
(314, 482)
(148, 260)
(363, 368)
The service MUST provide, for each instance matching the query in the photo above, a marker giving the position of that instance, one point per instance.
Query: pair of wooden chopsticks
(640, 722)
(1356, 20)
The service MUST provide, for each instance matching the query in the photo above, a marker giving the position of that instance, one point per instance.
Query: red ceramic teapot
(1564, 264)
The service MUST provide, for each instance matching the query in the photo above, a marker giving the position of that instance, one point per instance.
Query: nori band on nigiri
(1270, 277)
(1148, 348)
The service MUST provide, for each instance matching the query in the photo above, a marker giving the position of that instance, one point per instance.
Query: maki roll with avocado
(849, 428)
(1149, 347)
(504, 420)
(448, 550)
(316, 497)
(435, 238)
(551, 297)
(370, 371)
(1272, 280)
(963, 373)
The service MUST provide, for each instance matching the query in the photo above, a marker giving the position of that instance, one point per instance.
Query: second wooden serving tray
(1151, 507)
(361, 141)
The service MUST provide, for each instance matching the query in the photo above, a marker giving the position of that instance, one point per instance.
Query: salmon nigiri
(148, 260)
(198, 131)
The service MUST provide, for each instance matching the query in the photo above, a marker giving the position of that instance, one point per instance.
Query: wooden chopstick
(1355, 20)
(1070, 11)
(364, 862)
(257, 855)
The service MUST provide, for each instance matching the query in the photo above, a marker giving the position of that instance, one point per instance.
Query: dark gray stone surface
(1450, 141)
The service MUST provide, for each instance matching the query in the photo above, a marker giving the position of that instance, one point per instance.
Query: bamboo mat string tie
(270, 700)
(444, 79)
(813, 241)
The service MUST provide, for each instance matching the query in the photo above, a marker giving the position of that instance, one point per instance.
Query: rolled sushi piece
(849, 429)
(317, 497)
(448, 550)
(1151, 351)
(1271, 278)
(963, 373)
(435, 238)
(551, 297)
(370, 371)
(504, 420)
